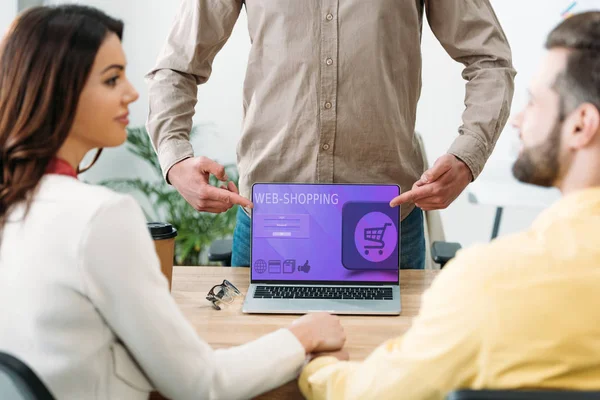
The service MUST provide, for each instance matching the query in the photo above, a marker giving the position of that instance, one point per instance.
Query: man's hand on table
(191, 179)
(319, 332)
(439, 186)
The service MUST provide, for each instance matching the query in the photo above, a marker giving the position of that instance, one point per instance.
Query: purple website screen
(306, 232)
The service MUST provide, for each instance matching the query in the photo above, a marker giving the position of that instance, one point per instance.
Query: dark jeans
(412, 241)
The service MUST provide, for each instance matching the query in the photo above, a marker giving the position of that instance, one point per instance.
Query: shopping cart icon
(375, 235)
(370, 236)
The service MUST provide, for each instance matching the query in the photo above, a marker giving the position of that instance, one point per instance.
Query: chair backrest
(19, 382)
(434, 230)
(522, 395)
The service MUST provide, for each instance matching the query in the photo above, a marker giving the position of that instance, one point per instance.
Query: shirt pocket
(126, 369)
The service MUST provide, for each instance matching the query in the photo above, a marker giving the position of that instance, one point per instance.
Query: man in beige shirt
(330, 95)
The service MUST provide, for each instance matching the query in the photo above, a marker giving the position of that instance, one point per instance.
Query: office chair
(19, 382)
(220, 251)
(522, 395)
(437, 250)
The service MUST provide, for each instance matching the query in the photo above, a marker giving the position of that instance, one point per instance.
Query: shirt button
(328, 105)
(329, 61)
(329, 17)
(325, 147)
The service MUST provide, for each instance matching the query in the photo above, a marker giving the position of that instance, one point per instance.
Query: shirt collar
(582, 202)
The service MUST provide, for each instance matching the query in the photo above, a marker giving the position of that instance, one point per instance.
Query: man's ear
(583, 126)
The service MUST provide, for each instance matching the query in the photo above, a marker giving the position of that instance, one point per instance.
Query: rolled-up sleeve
(471, 34)
(200, 30)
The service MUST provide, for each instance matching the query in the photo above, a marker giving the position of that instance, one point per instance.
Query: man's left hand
(439, 186)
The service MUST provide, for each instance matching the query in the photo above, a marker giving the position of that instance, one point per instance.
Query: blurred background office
(219, 110)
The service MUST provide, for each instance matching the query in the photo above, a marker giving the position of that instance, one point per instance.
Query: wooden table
(230, 327)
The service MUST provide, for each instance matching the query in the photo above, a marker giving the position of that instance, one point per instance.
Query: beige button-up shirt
(332, 86)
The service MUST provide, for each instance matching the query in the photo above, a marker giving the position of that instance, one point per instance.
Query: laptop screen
(325, 233)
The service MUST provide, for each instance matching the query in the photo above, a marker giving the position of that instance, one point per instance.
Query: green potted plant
(196, 230)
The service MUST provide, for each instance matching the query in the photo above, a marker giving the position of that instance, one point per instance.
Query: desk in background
(497, 187)
(230, 327)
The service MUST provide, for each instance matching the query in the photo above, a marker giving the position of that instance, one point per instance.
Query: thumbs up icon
(304, 268)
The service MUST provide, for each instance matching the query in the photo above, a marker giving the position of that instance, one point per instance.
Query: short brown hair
(580, 81)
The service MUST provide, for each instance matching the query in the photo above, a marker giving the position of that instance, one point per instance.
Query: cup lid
(161, 230)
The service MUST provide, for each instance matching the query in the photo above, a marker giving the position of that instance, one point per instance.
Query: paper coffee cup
(163, 235)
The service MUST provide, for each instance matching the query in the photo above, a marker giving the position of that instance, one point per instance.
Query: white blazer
(84, 304)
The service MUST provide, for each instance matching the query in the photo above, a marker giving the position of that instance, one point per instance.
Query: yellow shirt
(521, 312)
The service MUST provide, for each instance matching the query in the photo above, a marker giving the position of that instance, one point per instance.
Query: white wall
(8, 11)
(526, 23)
(219, 110)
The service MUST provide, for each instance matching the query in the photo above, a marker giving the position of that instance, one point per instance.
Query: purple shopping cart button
(375, 236)
(370, 237)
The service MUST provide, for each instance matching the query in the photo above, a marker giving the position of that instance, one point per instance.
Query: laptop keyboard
(318, 292)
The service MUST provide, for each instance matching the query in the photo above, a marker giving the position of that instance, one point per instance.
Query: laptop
(324, 247)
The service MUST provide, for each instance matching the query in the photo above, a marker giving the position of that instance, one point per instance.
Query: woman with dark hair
(82, 298)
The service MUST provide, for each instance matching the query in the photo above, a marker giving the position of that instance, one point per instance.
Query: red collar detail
(61, 167)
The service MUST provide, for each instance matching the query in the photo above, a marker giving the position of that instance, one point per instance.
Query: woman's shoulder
(82, 198)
